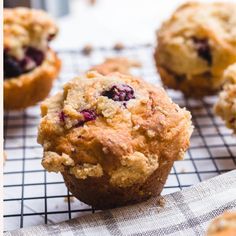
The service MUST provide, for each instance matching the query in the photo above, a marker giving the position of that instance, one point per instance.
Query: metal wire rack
(32, 196)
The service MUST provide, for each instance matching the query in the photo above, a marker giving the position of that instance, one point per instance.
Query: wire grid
(33, 196)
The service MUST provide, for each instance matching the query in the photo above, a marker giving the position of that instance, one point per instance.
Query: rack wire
(32, 196)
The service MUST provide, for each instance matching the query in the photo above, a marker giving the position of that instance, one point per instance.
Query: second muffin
(114, 138)
(30, 66)
(195, 46)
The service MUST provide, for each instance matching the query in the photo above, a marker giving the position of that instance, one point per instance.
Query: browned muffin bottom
(114, 138)
(108, 196)
(178, 82)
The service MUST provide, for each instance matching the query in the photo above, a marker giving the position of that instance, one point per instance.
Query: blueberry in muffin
(195, 45)
(114, 138)
(30, 66)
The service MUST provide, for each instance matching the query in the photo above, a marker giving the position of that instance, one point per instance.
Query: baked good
(30, 66)
(114, 138)
(225, 106)
(116, 64)
(224, 225)
(195, 46)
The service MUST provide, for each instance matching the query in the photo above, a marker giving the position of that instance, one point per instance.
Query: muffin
(195, 46)
(116, 64)
(114, 138)
(224, 225)
(225, 106)
(30, 66)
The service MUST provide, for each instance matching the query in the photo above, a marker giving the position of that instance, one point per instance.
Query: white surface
(110, 21)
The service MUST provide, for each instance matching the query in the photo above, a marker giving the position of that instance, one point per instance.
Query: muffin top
(24, 27)
(225, 107)
(116, 125)
(201, 33)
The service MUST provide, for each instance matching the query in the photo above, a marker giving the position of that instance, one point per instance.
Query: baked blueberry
(88, 115)
(120, 92)
(35, 54)
(12, 67)
(203, 49)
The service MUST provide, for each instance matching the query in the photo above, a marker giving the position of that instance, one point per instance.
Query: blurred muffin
(116, 64)
(195, 46)
(224, 225)
(114, 138)
(30, 66)
(225, 107)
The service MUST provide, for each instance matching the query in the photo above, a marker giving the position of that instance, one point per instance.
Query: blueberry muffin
(30, 66)
(195, 46)
(114, 138)
(224, 225)
(116, 64)
(225, 107)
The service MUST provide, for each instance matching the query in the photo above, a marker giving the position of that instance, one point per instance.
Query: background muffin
(195, 46)
(114, 138)
(116, 64)
(224, 225)
(29, 65)
(226, 104)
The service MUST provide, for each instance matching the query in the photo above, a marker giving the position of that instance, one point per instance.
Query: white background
(110, 21)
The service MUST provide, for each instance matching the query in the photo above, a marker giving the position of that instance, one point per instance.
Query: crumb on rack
(183, 170)
(69, 198)
(161, 201)
(87, 49)
(119, 46)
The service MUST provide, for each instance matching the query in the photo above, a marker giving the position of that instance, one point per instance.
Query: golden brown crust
(116, 64)
(203, 83)
(224, 225)
(98, 192)
(123, 148)
(32, 87)
(195, 46)
(225, 107)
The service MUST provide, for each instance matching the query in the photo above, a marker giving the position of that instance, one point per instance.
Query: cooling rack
(33, 196)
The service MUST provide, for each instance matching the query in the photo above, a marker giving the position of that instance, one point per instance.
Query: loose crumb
(87, 49)
(119, 46)
(161, 201)
(183, 170)
(72, 199)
